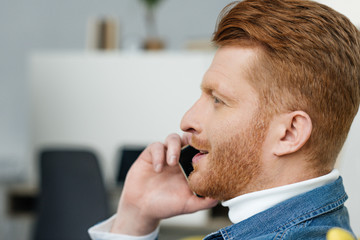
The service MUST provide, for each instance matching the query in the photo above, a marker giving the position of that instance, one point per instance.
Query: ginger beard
(231, 164)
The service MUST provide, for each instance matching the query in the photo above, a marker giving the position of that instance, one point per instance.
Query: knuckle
(156, 146)
(173, 137)
(157, 151)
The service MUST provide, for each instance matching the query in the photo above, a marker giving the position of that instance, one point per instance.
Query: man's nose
(192, 119)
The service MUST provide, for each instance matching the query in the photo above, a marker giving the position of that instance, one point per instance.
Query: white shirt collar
(247, 205)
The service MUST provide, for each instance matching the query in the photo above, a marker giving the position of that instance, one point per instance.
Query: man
(277, 103)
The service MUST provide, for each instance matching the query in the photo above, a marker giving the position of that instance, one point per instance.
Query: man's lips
(199, 156)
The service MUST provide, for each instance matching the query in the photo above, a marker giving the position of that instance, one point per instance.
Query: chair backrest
(72, 195)
(127, 156)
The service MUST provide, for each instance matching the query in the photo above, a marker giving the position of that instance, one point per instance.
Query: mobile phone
(186, 155)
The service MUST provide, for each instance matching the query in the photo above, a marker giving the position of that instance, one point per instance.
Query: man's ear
(292, 132)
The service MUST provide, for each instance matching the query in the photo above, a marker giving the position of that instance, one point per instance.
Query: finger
(185, 140)
(196, 203)
(157, 151)
(173, 144)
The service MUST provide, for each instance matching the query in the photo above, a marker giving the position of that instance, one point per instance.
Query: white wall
(349, 166)
(105, 100)
(350, 8)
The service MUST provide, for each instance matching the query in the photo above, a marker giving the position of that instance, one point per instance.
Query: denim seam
(227, 235)
(287, 229)
(291, 223)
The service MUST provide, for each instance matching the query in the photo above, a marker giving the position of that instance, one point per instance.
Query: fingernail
(158, 167)
(172, 159)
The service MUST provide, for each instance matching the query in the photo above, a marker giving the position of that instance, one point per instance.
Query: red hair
(309, 60)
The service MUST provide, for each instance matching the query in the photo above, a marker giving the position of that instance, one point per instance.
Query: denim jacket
(307, 216)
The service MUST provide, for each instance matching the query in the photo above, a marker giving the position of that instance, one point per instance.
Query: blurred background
(108, 77)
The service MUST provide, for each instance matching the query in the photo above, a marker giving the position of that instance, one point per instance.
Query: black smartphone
(186, 155)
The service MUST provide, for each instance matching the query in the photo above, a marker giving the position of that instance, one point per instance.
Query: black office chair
(127, 156)
(72, 195)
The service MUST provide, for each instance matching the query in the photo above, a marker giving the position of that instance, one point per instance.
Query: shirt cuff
(101, 231)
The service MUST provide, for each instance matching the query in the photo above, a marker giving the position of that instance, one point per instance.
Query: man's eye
(216, 100)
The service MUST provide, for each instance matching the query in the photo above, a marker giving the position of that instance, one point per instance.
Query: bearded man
(277, 103)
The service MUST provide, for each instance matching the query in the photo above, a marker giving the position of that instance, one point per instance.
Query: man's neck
(247, 205)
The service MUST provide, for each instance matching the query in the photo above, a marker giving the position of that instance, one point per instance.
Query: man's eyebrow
(209, 87)
(212, 87)
(206, 87)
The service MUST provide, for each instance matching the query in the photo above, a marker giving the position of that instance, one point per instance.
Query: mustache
(201, 144)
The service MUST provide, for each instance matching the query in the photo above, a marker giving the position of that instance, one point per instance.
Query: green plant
(151, 3)
(150, 16)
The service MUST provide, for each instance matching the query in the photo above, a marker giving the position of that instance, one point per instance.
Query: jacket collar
(277, 218)
(247, 205)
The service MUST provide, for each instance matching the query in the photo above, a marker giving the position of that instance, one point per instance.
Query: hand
(155, 188)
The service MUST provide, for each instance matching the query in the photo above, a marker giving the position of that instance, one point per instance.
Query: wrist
(131, 222)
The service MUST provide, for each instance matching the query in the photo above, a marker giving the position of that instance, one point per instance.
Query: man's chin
(197, 184)
(204, 185)
(193, 179)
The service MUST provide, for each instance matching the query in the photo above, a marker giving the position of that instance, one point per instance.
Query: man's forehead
(229, 71)
(215, 81)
